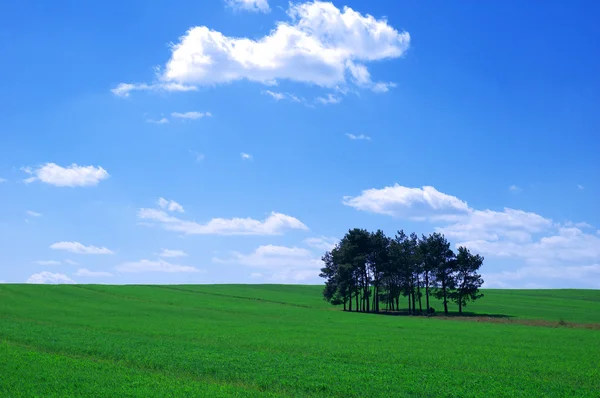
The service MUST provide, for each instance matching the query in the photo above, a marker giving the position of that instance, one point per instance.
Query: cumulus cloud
(508, 234)
(413, 203)
(249, 5)
(170, 205)
(49, 278)
(76, 247)
(319, 45)
(282, 263)
(322, 243)
(190, 115)
(70, 176)
(172, 253)
(274, 224)
(91, 274)
(154, 266)
(358, 137)
(246, 156)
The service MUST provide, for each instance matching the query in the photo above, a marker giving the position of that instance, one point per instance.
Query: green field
(272, 340)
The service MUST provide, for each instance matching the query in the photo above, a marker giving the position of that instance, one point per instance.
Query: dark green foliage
(467, 280)
(367, 270)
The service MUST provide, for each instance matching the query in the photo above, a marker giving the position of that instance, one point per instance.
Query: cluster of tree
(367, 271)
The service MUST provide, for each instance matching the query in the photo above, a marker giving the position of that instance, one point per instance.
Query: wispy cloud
(124, 89)
(167, 253)
(246, 156)
(515, 188)
(190, 115)
(274, 224)
(154, 266)
(49, 278)
(278, 96)
(76, 247)
(170, 205)
(580, 186)
(47, 262)
(358, 137)
(91, 274)
(329, 99)
(249, 5)
(33, 213)
(198, 156)
(164, 120)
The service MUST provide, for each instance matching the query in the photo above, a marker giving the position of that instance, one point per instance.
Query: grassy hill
(274, 340)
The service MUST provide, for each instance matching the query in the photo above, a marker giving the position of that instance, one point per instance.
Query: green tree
(468, 281)
(443, 264)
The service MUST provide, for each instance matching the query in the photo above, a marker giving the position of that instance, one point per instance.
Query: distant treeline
(369, 271)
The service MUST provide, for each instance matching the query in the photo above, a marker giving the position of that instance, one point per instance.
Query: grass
(273, 340)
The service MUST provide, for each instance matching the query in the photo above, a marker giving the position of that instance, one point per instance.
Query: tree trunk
(460, 302)
(419, 294)
(445, 298)
(427, 289)
(357, 306)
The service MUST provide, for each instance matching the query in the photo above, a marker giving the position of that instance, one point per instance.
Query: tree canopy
(369, 271)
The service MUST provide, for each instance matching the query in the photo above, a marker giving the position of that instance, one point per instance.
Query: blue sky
(234, 141)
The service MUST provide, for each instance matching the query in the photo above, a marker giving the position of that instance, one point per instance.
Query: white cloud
(191, 115)
(284, 264)
(199, 156)
(322, 243)
(274, 224)
(278, 96)
(329, 99)
(3, 180)
(170, 205)
(516, 225)
(580, 186)
(514, 188)
(91, 274)
(154, 266)
(570, 276)
(49, 278)
(70, 176)
(33, 213)
(512, 234)
(76, 247)
(256, 275)
(124, 89)
(164, 120)
(249, 5)
(358, 137)
(319, 45)
(414, 203)
(47, 262)
(172, 253)
(71, 262)
(382, 87)
(246, 156)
